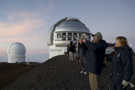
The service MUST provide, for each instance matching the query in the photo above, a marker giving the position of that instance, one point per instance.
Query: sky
(28, 21)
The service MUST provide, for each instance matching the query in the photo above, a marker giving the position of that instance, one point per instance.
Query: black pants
(118, 87)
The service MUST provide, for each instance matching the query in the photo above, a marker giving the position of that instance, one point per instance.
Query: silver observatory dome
(64, 31)
(73, 25)
(16, 53)
(67, 29)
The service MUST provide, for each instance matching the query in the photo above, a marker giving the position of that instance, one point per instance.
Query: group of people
(91, 53)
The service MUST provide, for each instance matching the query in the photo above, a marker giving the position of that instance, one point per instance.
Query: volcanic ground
(57, 73)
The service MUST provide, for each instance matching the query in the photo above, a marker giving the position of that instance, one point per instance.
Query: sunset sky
(28, 21)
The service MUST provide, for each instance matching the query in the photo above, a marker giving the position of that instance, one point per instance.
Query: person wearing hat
(100, 46)
(95, 63)
(90, 60)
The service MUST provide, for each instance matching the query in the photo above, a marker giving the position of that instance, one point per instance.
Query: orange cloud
(7, 29)
(19, 24)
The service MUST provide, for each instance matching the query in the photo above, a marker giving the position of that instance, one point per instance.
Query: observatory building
(16, 53)
(64, 31)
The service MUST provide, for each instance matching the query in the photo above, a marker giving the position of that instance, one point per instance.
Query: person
(71, 50)
(89, 57)
(81, 53)
(100, 46)
(121, 64)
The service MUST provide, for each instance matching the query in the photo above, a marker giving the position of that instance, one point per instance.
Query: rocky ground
(58, 73)
(10, 72)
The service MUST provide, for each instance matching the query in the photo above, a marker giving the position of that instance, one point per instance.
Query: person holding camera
(90, 61)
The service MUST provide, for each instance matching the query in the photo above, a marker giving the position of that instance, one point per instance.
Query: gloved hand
(125, 83)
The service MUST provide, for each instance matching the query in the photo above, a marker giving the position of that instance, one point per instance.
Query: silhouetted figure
(71, 50)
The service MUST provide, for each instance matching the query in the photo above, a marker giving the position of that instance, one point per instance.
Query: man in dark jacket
(121, 64)
(100, 45)
(89, 56)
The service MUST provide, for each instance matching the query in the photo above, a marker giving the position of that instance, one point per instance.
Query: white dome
(16, 52)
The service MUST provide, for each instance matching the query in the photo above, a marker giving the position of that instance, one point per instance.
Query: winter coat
(100, 53)
(89, 57)
(122, 65)
(81, 49)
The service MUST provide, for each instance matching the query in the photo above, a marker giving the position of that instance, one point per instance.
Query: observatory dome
(72, 24)
(67, 25)
(16, 53)
(64, 31)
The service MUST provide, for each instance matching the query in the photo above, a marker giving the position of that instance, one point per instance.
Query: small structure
(64, 31)
(16, 53)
